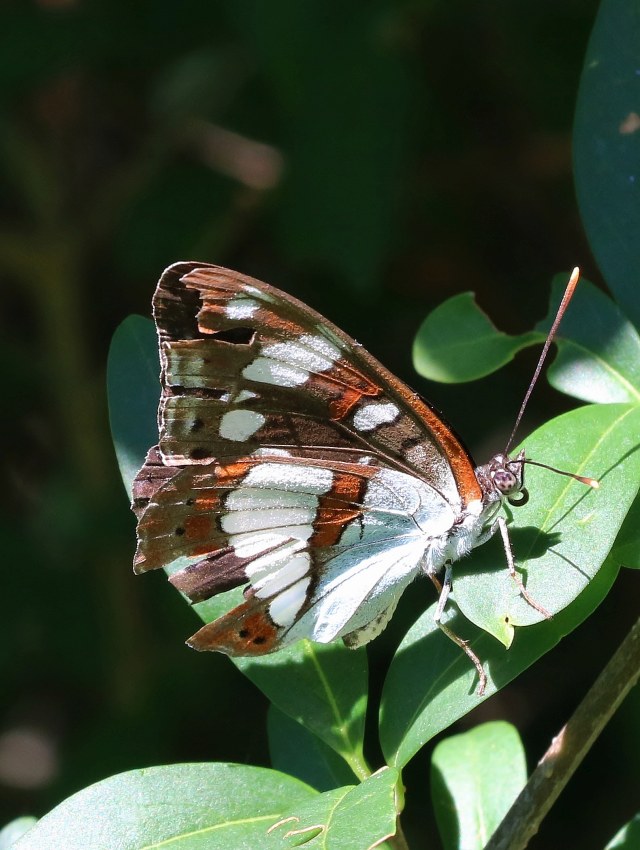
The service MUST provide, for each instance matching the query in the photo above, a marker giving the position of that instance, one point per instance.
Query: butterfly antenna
(583, 479)
(566, 298)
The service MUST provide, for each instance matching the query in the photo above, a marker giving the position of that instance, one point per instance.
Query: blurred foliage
(372, 159)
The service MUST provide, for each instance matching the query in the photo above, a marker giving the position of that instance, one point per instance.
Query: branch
(570, 746)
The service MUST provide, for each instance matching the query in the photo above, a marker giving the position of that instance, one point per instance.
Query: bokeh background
(372, 158)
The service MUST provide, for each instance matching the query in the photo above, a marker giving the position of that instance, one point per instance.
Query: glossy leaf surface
(350, 818)
(189, 806)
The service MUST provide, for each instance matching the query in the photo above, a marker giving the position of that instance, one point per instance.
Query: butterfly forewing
(289, 461)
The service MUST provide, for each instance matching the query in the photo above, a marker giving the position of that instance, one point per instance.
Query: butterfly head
(503, 478)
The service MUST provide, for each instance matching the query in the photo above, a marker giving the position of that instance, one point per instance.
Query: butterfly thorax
(502, 478)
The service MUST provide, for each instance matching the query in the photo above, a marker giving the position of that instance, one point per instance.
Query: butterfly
(292, 463)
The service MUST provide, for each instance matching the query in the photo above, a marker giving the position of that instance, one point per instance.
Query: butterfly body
(291, 463)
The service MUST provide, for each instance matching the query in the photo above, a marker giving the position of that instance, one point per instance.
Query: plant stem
(570, 746)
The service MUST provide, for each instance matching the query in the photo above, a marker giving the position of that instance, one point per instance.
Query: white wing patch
(370, 416)
(289, 364)
(239, 425)
(291, 478)
(269, 371)
(241, 308)
(285, 606)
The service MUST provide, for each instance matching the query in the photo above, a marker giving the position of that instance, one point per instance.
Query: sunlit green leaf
(189, 806)
(598, 348)
(323, 686)
(565, 531)
(458, 342)
(598, 355)
(350, 818)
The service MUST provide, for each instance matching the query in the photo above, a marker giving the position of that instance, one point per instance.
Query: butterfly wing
(290, 460)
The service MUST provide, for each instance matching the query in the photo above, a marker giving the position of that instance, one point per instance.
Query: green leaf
(562, 535)
(458, 342)
(322, 686)
(628, 838)
(431, 683)
(189, 806)
(626, 549)
(475, 778)
(351, 818)
(14, 830)
(296, 751)
(598, 348)
(133, 391)
(607, 149)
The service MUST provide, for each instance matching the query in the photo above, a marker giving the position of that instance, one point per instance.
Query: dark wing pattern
(290, 460)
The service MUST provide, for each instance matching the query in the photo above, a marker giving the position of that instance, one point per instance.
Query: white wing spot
(290, 477)
(239, 425)
(311, 353)
(268, 371)
(267, 451)
(243, 395)
(241, 308)
(370, 416)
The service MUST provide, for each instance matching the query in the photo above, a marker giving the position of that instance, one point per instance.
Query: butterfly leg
(444, 589)
(506, 542)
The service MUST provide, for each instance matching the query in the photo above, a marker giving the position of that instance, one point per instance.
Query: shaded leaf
(626, 549)
(296, 751)
(191, 806)
(133, 390)
(351, 818)
(475, 778)
(322, 686)
(606, 149)
(431, 683)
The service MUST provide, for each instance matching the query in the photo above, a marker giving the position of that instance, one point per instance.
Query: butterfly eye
(505, 481)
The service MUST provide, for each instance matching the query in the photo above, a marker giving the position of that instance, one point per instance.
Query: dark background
(372, 158)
